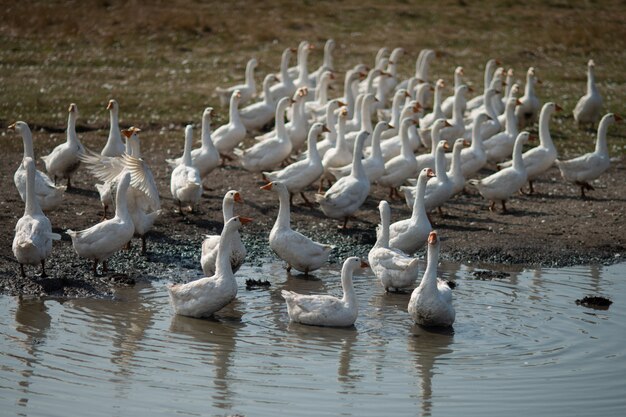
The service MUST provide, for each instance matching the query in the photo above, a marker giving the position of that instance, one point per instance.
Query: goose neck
(313, 154)
(545, 139)
(121, 201)
(419, 210)
(32, 205)
(233, 110)
(591, 80)
(601, 144)
(222, 263)
(383, 238)
(349, 296)
(228, 209)
(357, 164)
(518, 161)
(207, 140)
(283, 220)
(511, 120)
(405, 146)
(27, 138)
(188, 144)
(71, 128)
(430, 274)
(376, 150)
(250, 75)
(267, 95)
(440, 165)
(366, 115)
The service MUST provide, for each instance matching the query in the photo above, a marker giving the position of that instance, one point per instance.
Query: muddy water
(520, 346)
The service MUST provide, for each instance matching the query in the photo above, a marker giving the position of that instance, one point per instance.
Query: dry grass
(163, 60)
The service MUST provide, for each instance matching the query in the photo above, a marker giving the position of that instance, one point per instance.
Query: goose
(247, 89)
(299, 251)
(586, 168)
(339, 155)
(426, 121)
(502, 184)
(508, 86)
(327, 63)
(348, 194)
(374, 164)
(409, 235)
(330, 138)
(368, 86)
(448, 103)
(474, 158)
(478, 101)
(285, 87)
(366, 119)
(513, 93)
(32, 243)
(427, 160)
(316, 109)
(400, 167)
(392, 146)
(354, 120)
(392, 267)
(353, 76)
(457, 125)
(492, 126)
(211, 243)
(100, 242)
(205, 296)
(430, 304)
(393, 115)
(142, 197)
(455, 173)
(500, 146)
(186, 183)
(64, 160)
(589, 106)
(114, 145)
(527, 112)
(48, 195)
(296, 126)
(206, 158)
(381, 54)
(422, 71)
(299, 175)
(540, 158)
(439, 190)
(387, 84)
(257, 115)
(326, 310)
(269, 153)
(303, 66)
(294, 71)
(227, 137)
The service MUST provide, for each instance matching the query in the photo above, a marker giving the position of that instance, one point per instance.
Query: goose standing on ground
(500, 146)
(589, 106)
(527, 112)
(48, 195)
(100, 242)
(457, 125)
(427, 160)
(206, 158)
(455, 174)
(299, 175)
(205, 296)
(492, 126)
(330, 138)
(478, 101)
(427, 121)
(348, 193)
(474, 158)
(326, 310)
(303, 66)
(257, 115)
(586, 168)
(400, 167)
(64, 160)
(114, 145)
(448, 102)
(327, 63)
(540, 158)
(392, 146)
(269, 153)
(293, 247)
(502, 184)
(431, 303)
(227, 137)
(33, 232)
(210, 245)
(297, 127)
(392, 267)
(247, 90)
(186, 183)
(285, 87)
(340, 154)
(439, 190)
(393, 115)
(409, 235)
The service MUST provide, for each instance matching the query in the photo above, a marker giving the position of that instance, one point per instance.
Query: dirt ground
(553, 227)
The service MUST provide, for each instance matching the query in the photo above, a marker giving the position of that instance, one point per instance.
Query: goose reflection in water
(427, 347)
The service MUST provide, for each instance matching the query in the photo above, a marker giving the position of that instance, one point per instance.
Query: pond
(520, 345)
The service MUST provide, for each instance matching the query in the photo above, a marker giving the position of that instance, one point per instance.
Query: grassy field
(162, 61)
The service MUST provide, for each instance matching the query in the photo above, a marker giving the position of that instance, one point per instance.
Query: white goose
(540, 158)
(448, 103)
(457, 124)
(427, 160)
(206, 158)
(340, 154)
(589, 106)
(299, 251)
(586, 168)
(296, 128)
(247, 89)
(327, 63)
(393, 115)
(374, 164)
(64, 160)
(227, 137)
(326, 310)
(478, 101)
(33, 232)
(366, 119)
(316, 109)
(269, 153)
(392, 267)
(49, 196)
(474, 158)
(431, 303)
(257, 115)
(299, 175)
(330, 138)
(410, 234)
(286, 87)
(211, 243)
(527, 112)
(114, 145)
(427, 121)
(400, 167)
(455, 173)
(303, 66)
(101, 241)
(500, 146)
(348, 193)
(352, 79)
(186, 183)
(205, 296)
(502, 184)
(439, 190)
(492, 126)
(392, 146)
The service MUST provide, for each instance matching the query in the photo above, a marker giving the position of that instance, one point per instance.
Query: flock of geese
(353, 153)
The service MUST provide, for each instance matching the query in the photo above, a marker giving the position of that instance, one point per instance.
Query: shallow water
(520, 346)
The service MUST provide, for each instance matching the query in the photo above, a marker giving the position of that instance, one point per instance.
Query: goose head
(112, 105)
(234, 196)
(235, 223)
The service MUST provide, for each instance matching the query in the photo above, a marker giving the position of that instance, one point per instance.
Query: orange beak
(238, 198)
(447, 124)
(245, 220)
(466, 143)
(12, 126)
(432, 238)
(430, 173)
(341, 104)
(267, 186)
(127, 132)
(364, 264)
(110, 105)
(446, 146)
(557, 107)
(325, 129)
(518, 102)
(615, 116)
(532, 138)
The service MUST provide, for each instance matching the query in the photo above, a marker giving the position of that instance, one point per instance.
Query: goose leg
(22, 271)
(104, 212)
(504, 210)
(492, 206)
(290, 199)
(69, 183)
(391, 189)
(105, 267)
(531, 190)
(440, 211)
(320, 189)
(306, 200)
(345, 223)
(143, 244)
(43, 269)
(95, 267)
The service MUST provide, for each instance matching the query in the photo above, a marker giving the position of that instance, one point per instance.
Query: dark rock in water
(121, 279)
(486, 274)
(451, 284)
(256, 283)
(596, 302)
